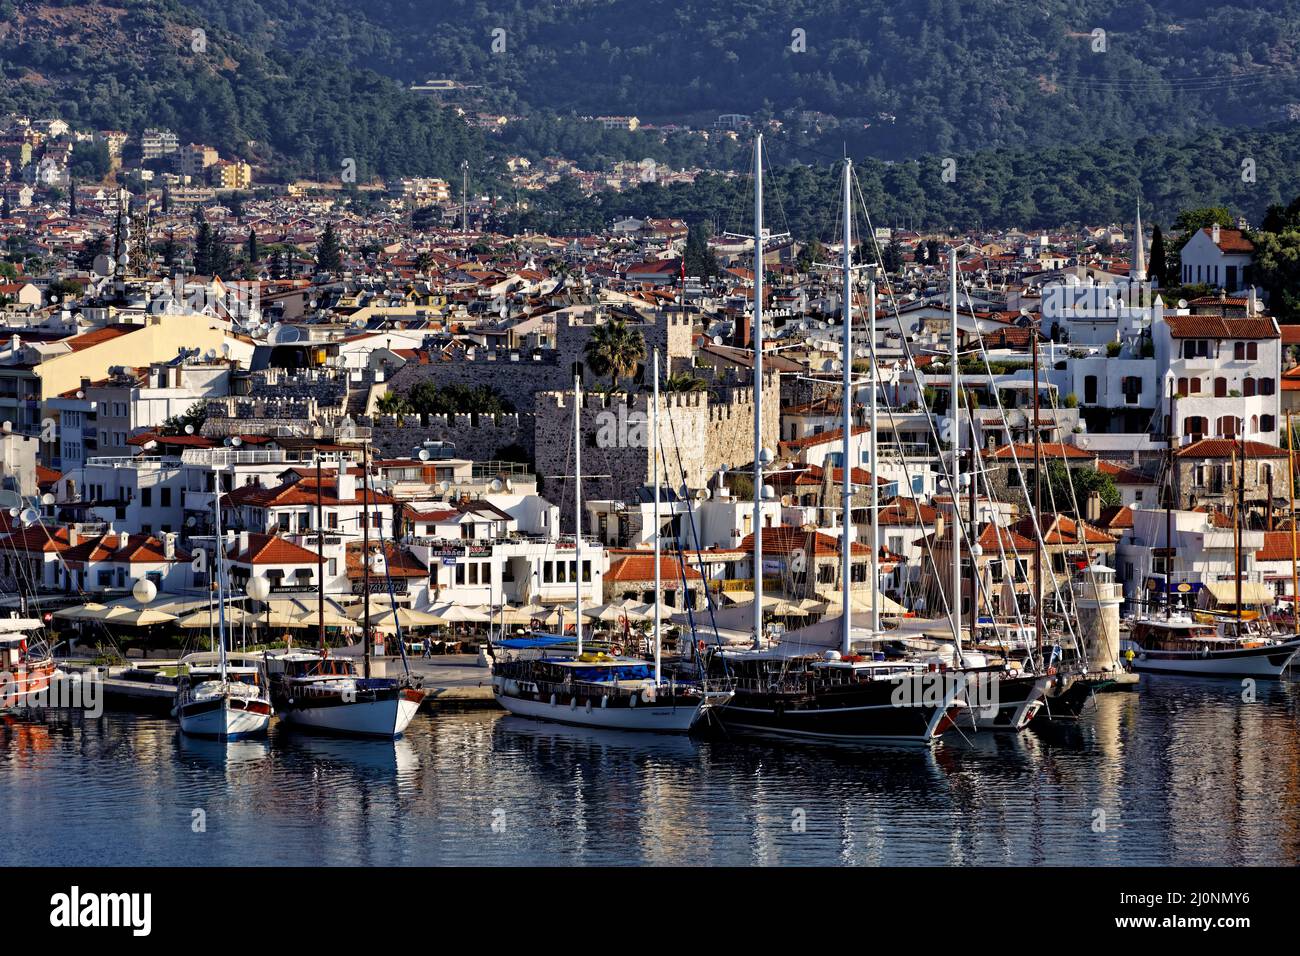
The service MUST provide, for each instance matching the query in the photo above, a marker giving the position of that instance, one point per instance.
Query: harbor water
(1183, 772)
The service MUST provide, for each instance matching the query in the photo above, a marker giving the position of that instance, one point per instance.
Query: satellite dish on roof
(443, 486)
(1182, 303)
(102, 266)
(283, 334)
(30, 516)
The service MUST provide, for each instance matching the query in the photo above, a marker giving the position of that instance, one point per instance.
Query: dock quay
(452, 682)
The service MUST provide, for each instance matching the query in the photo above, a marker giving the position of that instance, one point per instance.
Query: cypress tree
(1158, 269)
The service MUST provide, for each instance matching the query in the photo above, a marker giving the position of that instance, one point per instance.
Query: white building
(1219, 257)
(1225, 373)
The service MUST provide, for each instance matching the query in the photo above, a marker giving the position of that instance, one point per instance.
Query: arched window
(1248, 386)
(1254, 424)
(1194, 385)
(1183, 387)
(1220, 387)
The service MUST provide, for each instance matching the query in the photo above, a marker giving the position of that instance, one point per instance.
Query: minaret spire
(1137, 271)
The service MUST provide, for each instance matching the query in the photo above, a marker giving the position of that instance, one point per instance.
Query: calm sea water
(1184, 772)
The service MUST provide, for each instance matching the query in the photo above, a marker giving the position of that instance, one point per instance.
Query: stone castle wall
(699, 432)
(520, 374)
(480, 439)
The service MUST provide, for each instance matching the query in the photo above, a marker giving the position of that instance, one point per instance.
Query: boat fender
(573, 703)
(604, 701)
(699, 646)
(632, 702)
(779, 708)
(553, 700)
(1205, 652)
(589, 705)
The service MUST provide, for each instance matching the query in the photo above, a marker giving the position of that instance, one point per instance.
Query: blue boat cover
(536, 640)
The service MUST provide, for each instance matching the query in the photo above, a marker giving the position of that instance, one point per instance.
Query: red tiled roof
(1277, 546)
(787, 540)
(1217, 327)
(809, 441)
(1231, 240)
(1226, 447)
(1122, 475)
(1024, 451)
(97, 336)
(641, 567)
(272, 549)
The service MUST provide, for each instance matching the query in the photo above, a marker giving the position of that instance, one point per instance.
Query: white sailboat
(539, 677)
(322, 692)
(222, 696)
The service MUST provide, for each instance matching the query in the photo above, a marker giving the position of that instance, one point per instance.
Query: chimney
(243, 542)
(939, 526)
(74, 536)
(169, 545)
(1092, 509)
(124, 539)
(347, 484)
(1214, 233)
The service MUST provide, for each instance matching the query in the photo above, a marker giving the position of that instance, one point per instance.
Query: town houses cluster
(376, 403)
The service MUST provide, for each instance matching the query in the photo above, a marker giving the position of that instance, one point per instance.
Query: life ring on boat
(647, 695)
(1051, 672)
(699, 646)
(571, 629)
(615, 649)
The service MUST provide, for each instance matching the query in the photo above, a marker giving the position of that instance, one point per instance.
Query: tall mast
(974, 534)
(577, 504)
(1039, 543)
(758, 390)
(1169, 506)
(954, 359)
(220, 572)
(846, 403)
(654, 452)
(874, 448)
(1237, 519)
(320, 560)
(1295, 574)
(365, 546)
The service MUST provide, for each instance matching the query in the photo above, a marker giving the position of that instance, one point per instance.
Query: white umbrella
(458, 614)
(234, 615)
(82, 612)
(133, 617)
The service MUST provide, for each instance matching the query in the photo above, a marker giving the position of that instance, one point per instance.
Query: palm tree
(681, 382)
(390, 403)
(615, 350)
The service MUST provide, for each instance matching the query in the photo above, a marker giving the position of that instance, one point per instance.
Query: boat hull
(1017, 701)
(577, 709)
(385, 716)
(27, 683)
(1268, 661)
(865, 713)
(225, 718)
